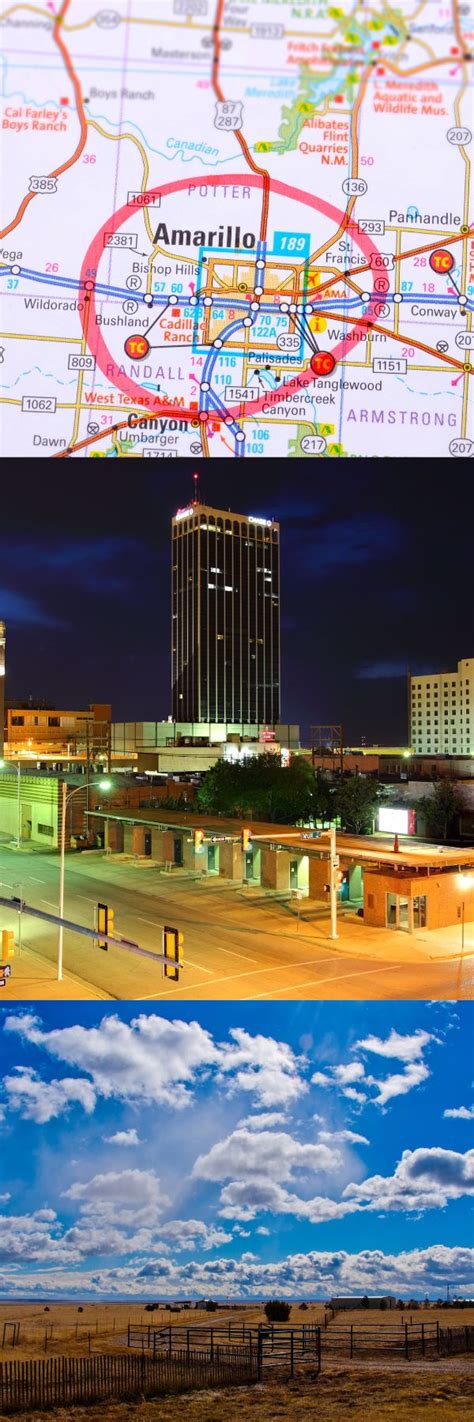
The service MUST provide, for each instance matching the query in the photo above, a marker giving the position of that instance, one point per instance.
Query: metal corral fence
(286, 1346)
(58, 1382)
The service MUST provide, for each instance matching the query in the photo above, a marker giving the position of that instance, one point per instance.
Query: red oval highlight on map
(322, 363)
(156, 404)
(136, 347)
(441, 261)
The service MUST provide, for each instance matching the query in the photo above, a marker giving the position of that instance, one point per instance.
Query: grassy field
(68, 1331)
(63, 1330)
(399, 1394)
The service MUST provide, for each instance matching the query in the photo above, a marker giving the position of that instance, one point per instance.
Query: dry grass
(391, 1318)
(403, 1393)
(107, 1323)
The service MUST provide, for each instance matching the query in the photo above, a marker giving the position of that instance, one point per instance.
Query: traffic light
(105, 924)
(8, 943)
(173, 941)
(198, 836)
(246, 838)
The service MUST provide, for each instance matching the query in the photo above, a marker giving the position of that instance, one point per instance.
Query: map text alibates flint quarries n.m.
(236, 227)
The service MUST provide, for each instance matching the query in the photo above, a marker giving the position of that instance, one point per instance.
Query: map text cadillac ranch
(236, 227)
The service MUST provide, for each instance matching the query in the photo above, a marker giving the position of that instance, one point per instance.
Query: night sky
(375, 578)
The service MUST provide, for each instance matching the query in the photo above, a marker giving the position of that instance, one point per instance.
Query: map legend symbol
(322, 363)
(441, 261)
(137, 347)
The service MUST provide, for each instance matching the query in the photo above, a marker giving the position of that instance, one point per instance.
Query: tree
(277, 1311)
(442, 808)
(355, 800)
(259, 785)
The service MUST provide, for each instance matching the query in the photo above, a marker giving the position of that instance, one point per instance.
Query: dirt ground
(402, 1393)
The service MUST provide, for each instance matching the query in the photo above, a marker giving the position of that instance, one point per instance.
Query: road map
(236, 228)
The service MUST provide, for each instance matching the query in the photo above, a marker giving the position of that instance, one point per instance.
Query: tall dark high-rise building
(225, 617)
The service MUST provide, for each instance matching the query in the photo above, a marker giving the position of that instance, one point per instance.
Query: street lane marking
(231, 954)
(190, 964)
(49, 904)
(35, 881)
(232, 977)
(336, 978)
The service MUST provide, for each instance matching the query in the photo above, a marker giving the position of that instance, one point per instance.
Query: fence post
(259, 1354)
(406, 1340)
(423, 1340)
(211, 1355)
(169, 1340)
(319, 1350)
(292, 1355)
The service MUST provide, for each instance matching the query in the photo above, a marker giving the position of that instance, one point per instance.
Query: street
(238, 942)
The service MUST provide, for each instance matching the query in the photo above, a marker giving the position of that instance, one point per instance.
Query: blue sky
(236, 1150)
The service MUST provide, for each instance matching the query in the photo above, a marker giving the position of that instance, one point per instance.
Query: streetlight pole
(18, 837)
(65, 798)
(333, 864)
(462, 927)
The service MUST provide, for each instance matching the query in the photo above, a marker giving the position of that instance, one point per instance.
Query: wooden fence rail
(58, 1382)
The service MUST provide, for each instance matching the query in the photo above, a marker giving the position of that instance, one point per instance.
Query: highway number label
(441, 261)
(459, 136)
(354, 187)
(108, 19)
(322, 363)
(137, 347)
(43, 185)
(139, 199)
(39, 404)
(267, 31)
(461, 447)
(287, 342)
(228, 115)
(190, 7)
(373, 225)
(240, 392)
(465, 340)
(81, 362)
(390, 365)
(313, 444)
(121, 239)
(381, 259)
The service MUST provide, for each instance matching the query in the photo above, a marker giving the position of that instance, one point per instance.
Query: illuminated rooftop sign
(184, 513)
(265, 522)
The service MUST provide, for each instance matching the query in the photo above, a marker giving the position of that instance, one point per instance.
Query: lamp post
(65, 799)
(466, 881)
(18, 772)
(333, 865)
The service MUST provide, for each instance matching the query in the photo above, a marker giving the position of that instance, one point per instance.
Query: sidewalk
(34, 978)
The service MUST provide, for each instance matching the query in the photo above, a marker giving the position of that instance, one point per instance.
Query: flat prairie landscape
(68, 1330)
(364, 1391)
(59, 1328)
